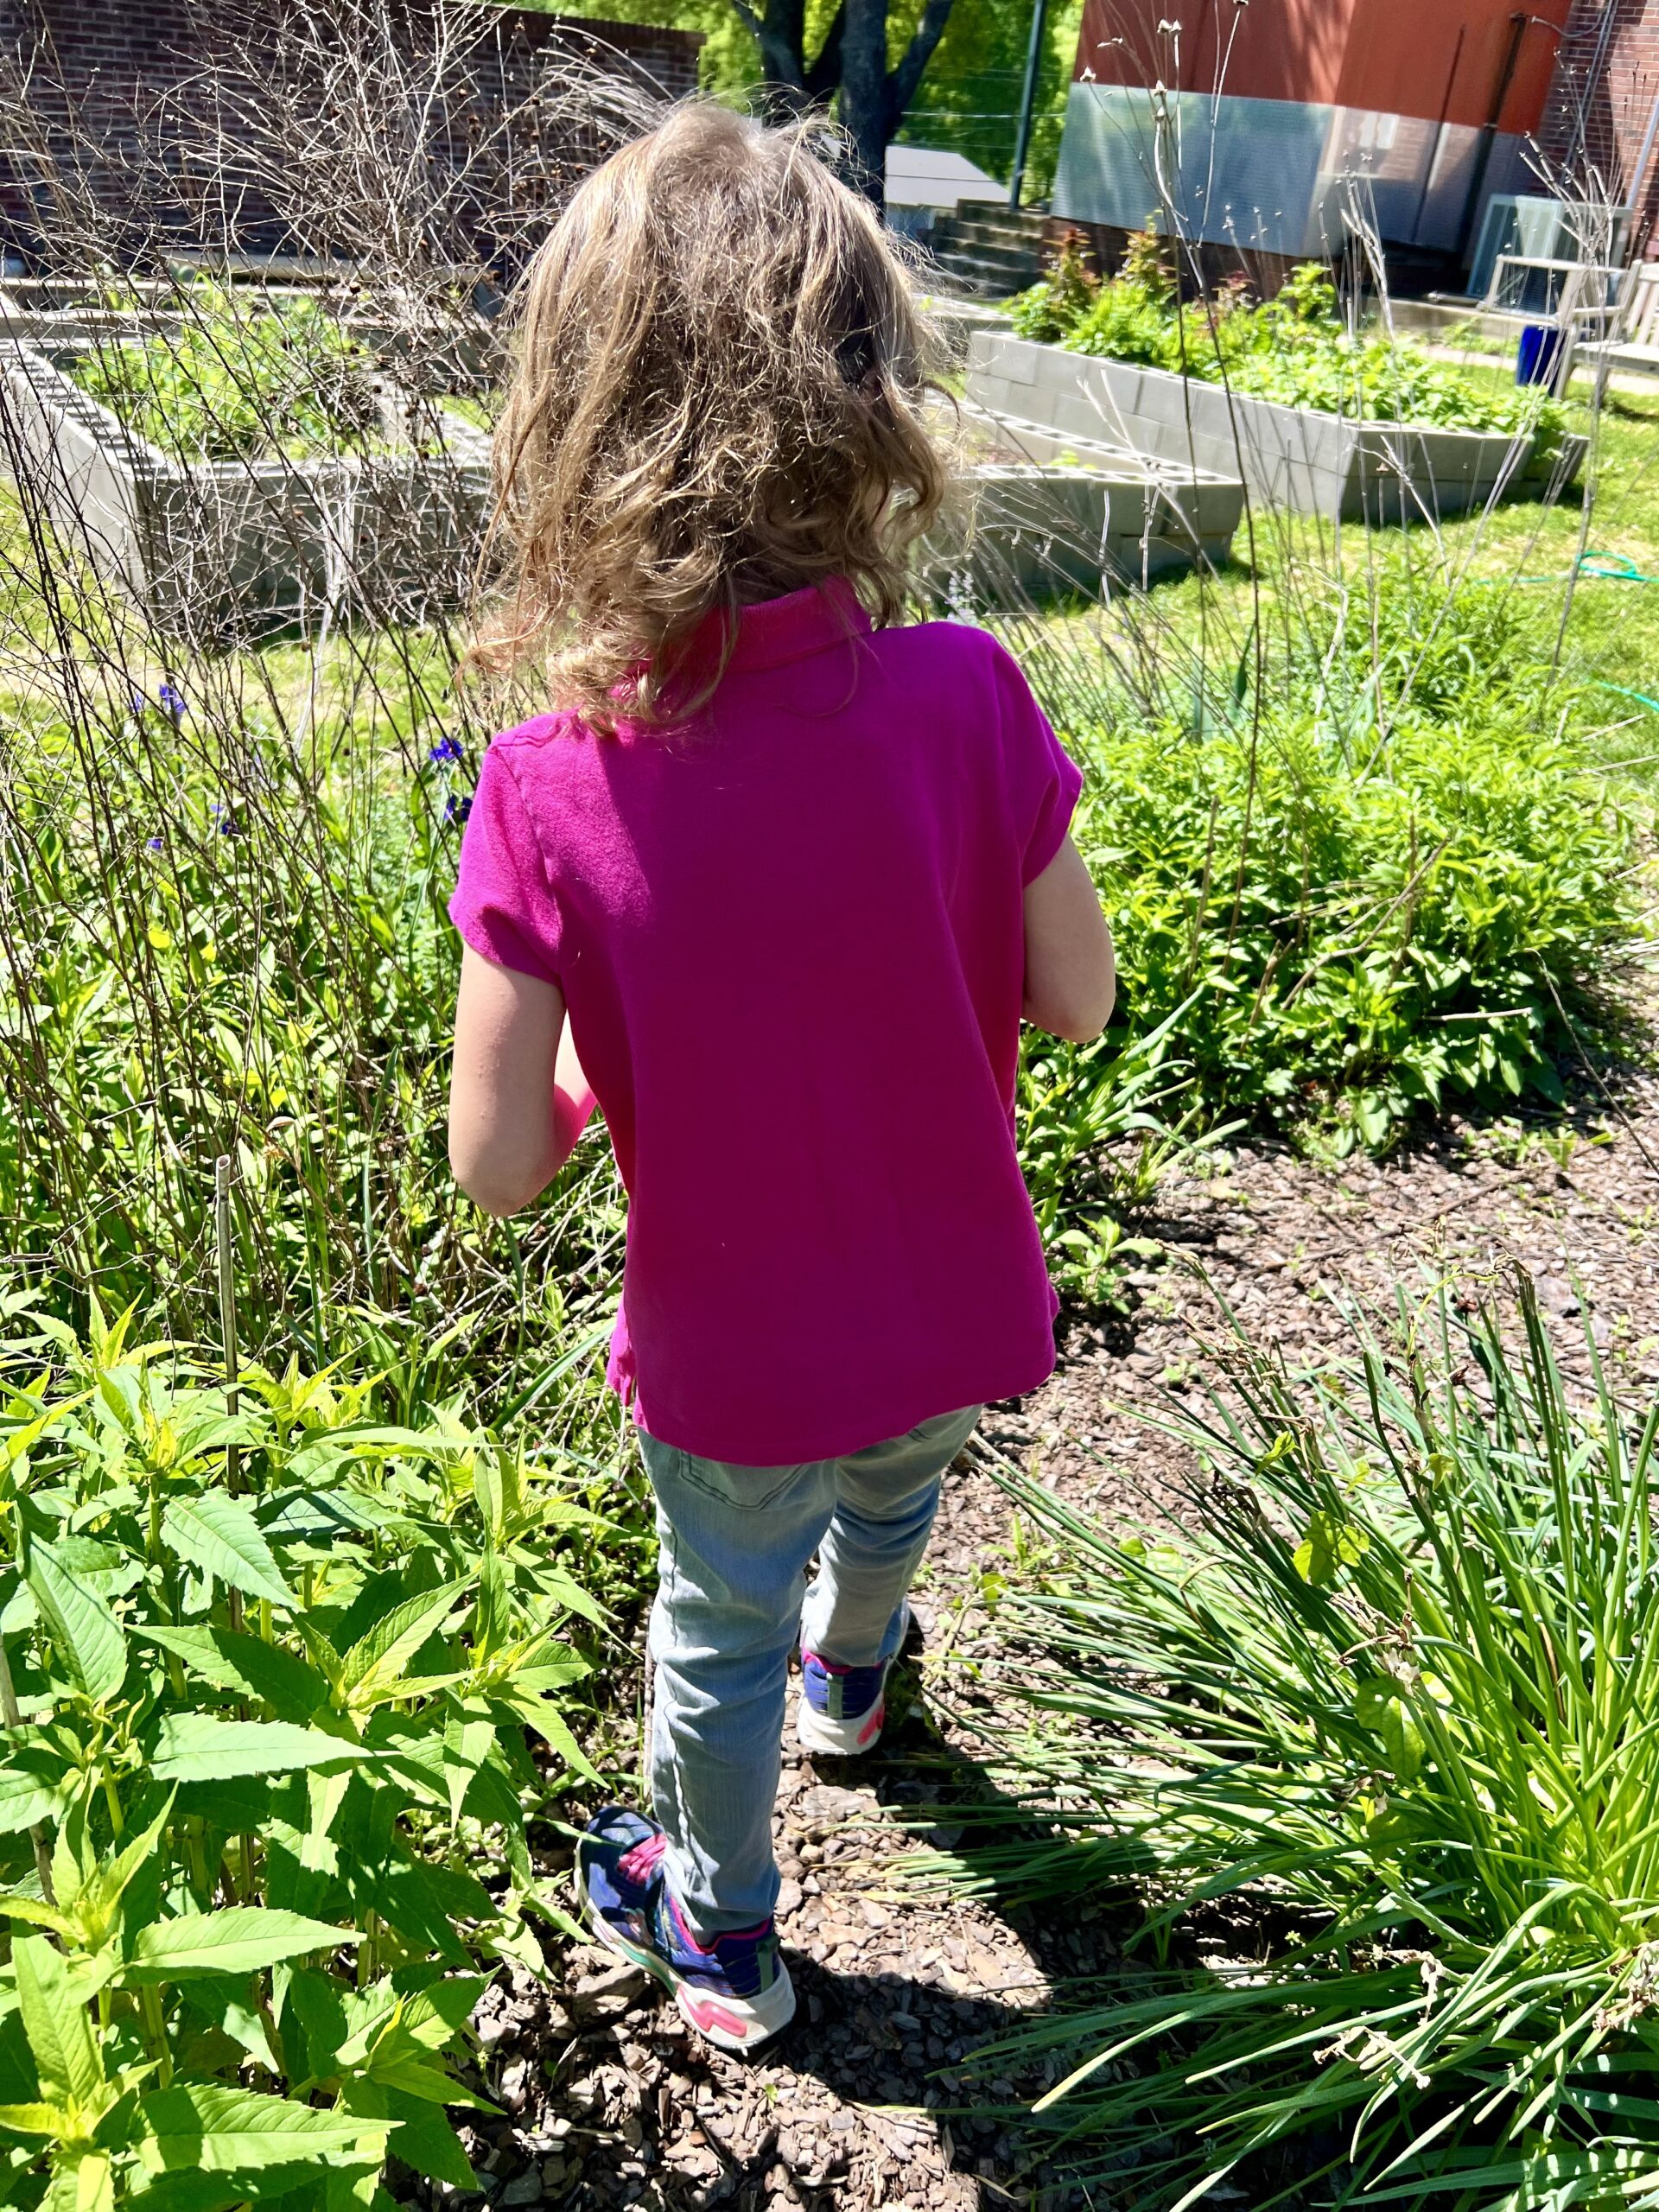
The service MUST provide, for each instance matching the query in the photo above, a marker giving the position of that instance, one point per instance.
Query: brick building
(135, 106)
(1600, 130)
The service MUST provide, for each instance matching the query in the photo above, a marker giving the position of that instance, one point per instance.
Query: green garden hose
(1607, 567)
(1603, 567)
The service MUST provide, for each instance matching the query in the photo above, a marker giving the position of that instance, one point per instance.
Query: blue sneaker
(842, 1708)
(735, 1990)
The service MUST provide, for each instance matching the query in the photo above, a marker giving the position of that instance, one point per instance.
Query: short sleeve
(1041, 780)
(504, 905)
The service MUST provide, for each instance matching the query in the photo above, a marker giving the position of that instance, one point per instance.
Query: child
(794, 871)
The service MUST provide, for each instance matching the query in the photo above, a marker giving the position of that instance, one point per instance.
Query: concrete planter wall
(1044, 513)
(219, 546)
(1290, 456)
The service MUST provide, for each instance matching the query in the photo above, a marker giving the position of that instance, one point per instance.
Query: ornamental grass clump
(1370, 1751)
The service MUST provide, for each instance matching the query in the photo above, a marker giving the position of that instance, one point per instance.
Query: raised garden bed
(1043, 514)
(1297, 457)
(206, 545)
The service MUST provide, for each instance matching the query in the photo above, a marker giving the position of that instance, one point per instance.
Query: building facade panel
(1272, 128)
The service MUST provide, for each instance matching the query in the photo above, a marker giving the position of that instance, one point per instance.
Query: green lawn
(1286, 564)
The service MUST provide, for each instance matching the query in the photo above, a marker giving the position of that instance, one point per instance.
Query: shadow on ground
(609, 2100)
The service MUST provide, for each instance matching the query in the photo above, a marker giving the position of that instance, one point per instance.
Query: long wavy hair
(718, 397)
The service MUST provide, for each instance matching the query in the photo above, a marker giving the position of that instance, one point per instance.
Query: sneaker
(735, 1990)
(842, 1708)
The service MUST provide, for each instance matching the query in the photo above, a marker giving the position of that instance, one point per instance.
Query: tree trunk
(864, 95)
(780, 33)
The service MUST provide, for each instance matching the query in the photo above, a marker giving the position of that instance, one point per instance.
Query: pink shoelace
(640, 1864)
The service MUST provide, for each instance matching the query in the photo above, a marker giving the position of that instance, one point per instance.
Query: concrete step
(1012, 271)
(966, 271)
(1022, 233)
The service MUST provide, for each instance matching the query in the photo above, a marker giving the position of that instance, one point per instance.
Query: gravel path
(612, 2103)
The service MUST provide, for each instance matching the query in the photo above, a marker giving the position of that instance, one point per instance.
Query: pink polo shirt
(790, 938)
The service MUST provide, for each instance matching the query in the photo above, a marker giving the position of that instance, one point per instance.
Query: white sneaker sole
(840, 1739)
(732, 2023)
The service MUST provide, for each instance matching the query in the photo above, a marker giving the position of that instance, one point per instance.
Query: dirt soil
(612, 2102)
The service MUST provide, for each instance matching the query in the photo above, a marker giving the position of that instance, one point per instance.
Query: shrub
(267, 1671)
(239, 383)
(1390, 887)
(1293, 348)
(1379, 1729)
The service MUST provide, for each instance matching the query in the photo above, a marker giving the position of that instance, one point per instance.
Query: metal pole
(1488, 135)
(1027, 102)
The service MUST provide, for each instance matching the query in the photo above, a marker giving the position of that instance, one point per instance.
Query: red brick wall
(1602, 99)
(96, 69)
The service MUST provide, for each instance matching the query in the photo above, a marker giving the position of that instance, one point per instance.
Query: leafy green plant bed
(1294, 348)
(268, 1672)
(233, 382)
(1380, 1729)
(1382, 878)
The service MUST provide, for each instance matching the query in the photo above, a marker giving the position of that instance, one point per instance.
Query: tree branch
(903, 81)
(824, 75)
(782, 33)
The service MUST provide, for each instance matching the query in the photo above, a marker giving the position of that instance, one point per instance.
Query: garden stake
(227, 1339)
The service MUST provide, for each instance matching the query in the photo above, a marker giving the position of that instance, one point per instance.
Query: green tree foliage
(967, 97)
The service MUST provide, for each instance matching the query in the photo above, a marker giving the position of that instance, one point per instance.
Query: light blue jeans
(731, 1601)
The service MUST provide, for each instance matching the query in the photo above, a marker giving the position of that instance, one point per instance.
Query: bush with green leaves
(1382, 875)
(1295, 348)
(1093, 1146)
(1378, 1723)
(238, 380)
(267, 1669)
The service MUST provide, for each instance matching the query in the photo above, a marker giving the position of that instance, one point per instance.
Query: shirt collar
(774, 631)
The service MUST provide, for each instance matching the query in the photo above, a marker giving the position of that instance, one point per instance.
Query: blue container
(1534, 357)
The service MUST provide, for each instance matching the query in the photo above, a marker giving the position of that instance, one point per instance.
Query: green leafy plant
(267, 1669)
(1371, 883)
(234, 382)
(1078, 1107)
(1384, 1715)
(1294, 348)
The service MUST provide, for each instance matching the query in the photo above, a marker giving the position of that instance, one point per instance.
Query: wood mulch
(612, 2102)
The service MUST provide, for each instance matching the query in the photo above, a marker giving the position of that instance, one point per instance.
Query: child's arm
(1070, 976)
(518, 1099)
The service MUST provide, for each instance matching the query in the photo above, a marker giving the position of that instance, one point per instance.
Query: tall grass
(229, 837)
(1377, 1736)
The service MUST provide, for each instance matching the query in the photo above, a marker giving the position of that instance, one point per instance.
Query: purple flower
(139, 703)
(447, 748)
(173, 701)
(456, 809)
(153, 845)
